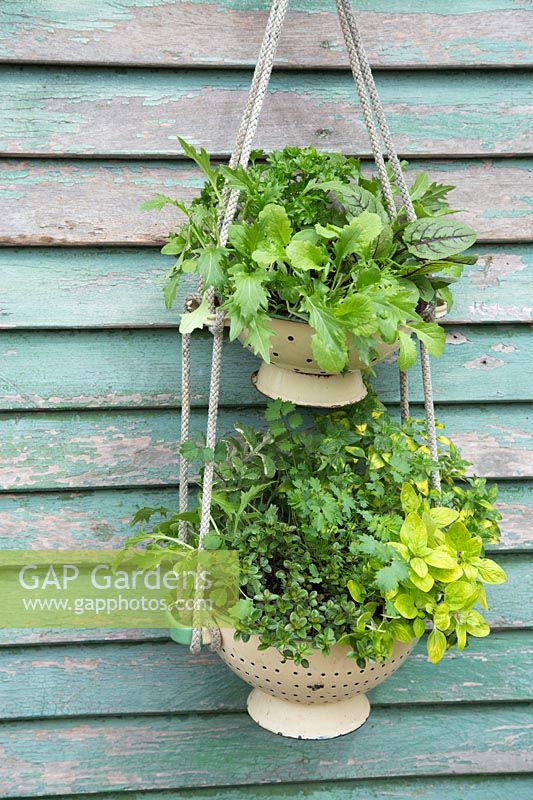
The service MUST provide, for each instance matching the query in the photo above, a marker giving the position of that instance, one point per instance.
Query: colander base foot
(312, 721)
(304, 389)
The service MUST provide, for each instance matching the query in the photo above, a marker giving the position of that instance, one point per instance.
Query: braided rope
(372, 110)
(240, 156)
(370, 105)
(371, 102)
(185, 428)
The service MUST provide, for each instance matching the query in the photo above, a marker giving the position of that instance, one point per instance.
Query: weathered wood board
(139, 368)
(90, 385)
(63, 202)
(474, 787)
(100, 519)
(78, 288)
(74, 111)
(166, 679)
(228, 32)
(93, 449)
(162, 752)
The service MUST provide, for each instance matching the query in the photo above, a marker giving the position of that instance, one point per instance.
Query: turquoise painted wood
(127, 369)
(182, 751)
(163, 678)
(67, 450)
(228, 33)
(100, 518)
(89, 377)
(95, 202)
(490, 787)
(122, 288)
(50, 111)
(509, 610)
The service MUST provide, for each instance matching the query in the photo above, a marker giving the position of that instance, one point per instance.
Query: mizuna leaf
(275, 224)
(358, 235)
(209, 266)
(432, 335)
(306, 256)
(158, 202)
(259, 335)
(193, 320)
(436, 239)
(357, 313)
(407, 356)
(329, 340)
(250, 295)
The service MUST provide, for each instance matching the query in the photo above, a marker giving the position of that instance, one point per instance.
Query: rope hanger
(376, 124)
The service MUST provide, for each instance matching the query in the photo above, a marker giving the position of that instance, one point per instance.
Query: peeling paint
(484, 362)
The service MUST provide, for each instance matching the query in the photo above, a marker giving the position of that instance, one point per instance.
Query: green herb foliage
(312, 241)
(341, 539)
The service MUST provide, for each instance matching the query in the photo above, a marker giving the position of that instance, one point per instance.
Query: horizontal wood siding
(184, 751)
(93, 98)
(49, 111)
(99, 202)
(419, 33)
(122, 288)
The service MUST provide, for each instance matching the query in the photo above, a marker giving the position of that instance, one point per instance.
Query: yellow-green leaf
(409, 499)
(418, 627)
(441, 617)
(401, 630)
(460, 595)
(440, 558)
(460, 631)
(436, 645)
(457, 536)
(490, 571)
(425, 584)
(356, 591)
(405, 605)
(443, 516)
(419, 566)
(413, 533)
(476, 624)
(447, 575)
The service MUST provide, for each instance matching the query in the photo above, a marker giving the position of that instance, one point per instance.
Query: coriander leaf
(389, 578)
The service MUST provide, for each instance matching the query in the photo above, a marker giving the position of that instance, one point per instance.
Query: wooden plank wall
(93, 96)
